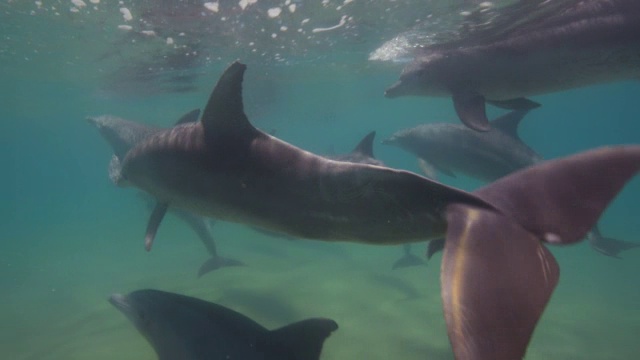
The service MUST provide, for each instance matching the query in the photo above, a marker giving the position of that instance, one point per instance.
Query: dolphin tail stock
(407, 259)
(303, 339)
(497, 276)
(609, 246)
(216, 262)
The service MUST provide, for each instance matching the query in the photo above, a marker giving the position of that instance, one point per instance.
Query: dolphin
(180, 327)
(122, 135)
(455, 149)
(584, 43)
(497, 274)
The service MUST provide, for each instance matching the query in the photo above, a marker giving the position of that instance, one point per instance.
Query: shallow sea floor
(58, 307)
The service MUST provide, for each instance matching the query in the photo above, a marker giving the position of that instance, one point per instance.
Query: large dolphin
(455, 149)
(497, 275)
(180, 327)
(583, 43)
(122, 135)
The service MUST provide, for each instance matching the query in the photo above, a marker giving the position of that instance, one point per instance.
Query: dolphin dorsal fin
(509, 122)
(304, 339)
(365, 146)
(190, 117)
(224, 114)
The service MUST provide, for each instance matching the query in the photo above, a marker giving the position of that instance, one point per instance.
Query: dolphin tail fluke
(609, 246)
(497, 276)
(217, 262)
(407, 259)
(304, 339)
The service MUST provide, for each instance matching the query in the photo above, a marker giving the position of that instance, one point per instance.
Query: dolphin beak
(92, 120)
(119, 301)
(394, 90)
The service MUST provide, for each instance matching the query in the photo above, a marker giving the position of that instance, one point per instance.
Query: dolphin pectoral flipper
(515, 104)
(496, 280)
(470, 107)
(497, 277)
(154, 222)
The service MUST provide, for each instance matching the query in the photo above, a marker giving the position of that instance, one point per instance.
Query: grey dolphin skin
(497, 274)
(179, 327)
(583, 43)
(455, 149)
(363, 154)
(123, 135)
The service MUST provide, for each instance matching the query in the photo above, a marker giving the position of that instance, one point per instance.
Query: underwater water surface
(70, 238)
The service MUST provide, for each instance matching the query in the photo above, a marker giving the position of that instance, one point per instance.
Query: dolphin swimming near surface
(455, 149)
(180, 327)
(123, 135)
(583, 43)
(497, 274)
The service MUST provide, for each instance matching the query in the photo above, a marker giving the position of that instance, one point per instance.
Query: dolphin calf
(583, 43)
(497, 274)
(455, 149)
(180, 327)
(122, 135)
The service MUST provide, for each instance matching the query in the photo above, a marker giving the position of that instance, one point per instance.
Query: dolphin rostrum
(584, 43)
(455, 149)
(497, 276)
(123, 135)
(180, 327)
